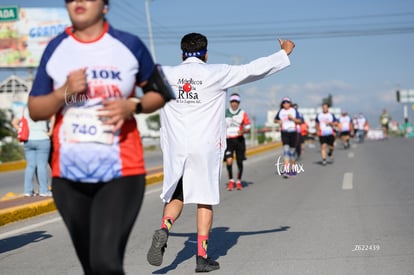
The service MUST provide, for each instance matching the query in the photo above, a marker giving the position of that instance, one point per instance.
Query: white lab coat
(193, 126)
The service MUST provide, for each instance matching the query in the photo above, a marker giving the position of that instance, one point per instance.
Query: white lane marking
(58, 219)
(158, 189)
(351, 155)
(29, 227)
(347, 181)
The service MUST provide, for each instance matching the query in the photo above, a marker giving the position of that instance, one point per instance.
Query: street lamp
(151, 41)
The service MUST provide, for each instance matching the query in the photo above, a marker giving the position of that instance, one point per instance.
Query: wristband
(138, 107)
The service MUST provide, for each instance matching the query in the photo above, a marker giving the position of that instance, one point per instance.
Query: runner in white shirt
(238, 123)
(325, 123)
(345, 129)
(288, 117)
(300, 139)
(355, 125)
(193, 136)
(361, 127)
(86, 79)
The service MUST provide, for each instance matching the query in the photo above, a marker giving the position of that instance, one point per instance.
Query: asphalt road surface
(353, 216)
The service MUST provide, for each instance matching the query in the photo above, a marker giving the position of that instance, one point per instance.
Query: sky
(360, 52)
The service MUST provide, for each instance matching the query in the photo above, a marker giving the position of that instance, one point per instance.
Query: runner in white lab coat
(193, 136)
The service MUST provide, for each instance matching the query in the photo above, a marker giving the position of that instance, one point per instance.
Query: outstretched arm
(259, 68)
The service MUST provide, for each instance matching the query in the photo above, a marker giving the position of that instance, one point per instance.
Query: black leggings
(237, 145)
(99, 218)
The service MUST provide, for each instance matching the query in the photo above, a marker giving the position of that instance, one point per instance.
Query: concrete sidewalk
(17, 207)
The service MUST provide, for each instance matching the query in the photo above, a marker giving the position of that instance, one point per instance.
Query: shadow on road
(16, 242)
(222, 240)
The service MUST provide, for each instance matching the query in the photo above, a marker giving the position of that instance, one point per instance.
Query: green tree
(261, 138)
(153, 122)
(6, 129)
(9, 151)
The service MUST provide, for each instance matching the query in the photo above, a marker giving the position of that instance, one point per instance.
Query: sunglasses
(70, 1)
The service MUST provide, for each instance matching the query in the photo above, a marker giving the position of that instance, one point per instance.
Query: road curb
(12, 166)
(155, 178)
(25, 211)
(263, 148)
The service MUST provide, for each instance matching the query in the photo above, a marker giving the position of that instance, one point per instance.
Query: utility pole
(151, 40)
(253, 131)
(236, 60)
(272, 108)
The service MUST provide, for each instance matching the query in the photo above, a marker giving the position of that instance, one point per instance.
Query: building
(14, 92)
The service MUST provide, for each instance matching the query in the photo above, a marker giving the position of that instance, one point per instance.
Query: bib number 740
(83, 125)
(84, 129)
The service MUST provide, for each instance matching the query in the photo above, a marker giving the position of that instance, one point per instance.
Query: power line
(329, 20)
(362, 25)
(334, 27)
(269, 36)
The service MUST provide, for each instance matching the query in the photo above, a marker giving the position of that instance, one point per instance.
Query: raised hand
(286, 45)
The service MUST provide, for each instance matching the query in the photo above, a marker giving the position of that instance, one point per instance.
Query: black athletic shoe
(206, 264)
(156, 251)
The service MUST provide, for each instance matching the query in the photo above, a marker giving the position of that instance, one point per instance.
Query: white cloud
(387, 96)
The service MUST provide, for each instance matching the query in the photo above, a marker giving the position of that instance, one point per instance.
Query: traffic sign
(405, 96)
(9, 13)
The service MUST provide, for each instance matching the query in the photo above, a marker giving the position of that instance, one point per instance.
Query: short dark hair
(194, 42)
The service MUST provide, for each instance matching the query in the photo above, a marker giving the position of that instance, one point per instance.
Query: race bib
(83, 125)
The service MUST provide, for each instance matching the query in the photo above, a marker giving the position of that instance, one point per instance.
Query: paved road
(355, 216)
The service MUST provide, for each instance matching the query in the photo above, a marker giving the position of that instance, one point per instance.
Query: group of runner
(325, 127)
